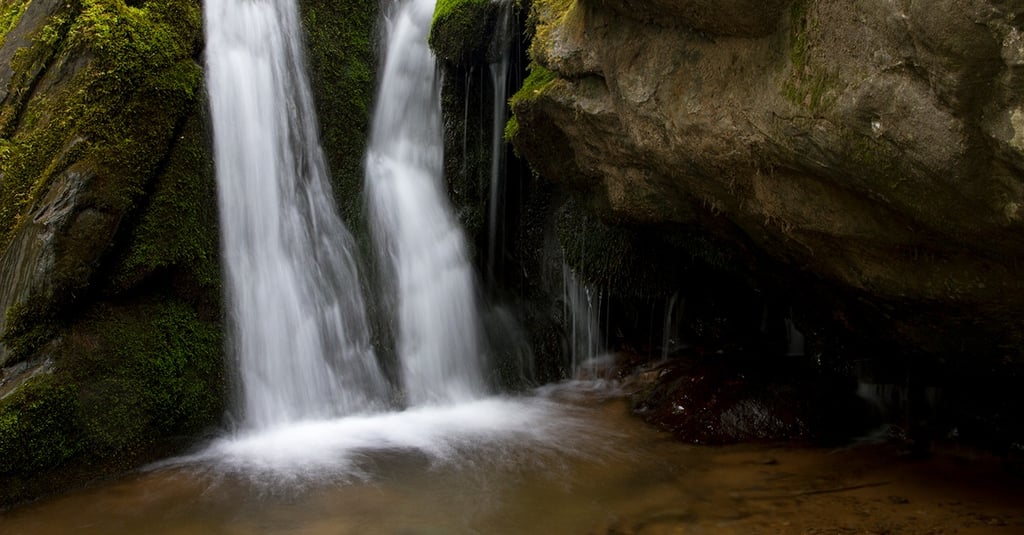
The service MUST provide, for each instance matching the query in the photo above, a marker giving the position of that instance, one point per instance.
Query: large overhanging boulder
(877, 146)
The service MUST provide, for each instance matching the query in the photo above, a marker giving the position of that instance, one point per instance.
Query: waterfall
(298, 329)
(420, 246)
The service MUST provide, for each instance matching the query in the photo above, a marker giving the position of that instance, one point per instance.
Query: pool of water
(568, 459)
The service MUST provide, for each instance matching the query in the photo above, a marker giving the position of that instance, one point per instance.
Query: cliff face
(875, 147)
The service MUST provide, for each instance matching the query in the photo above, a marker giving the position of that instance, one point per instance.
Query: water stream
(581, 312)
(421, 247)
(298, 329)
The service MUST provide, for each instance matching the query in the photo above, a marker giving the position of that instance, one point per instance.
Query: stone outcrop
(873, 147)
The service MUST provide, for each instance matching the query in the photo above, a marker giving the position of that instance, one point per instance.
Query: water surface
(574, 461)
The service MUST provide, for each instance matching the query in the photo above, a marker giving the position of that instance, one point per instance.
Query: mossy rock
(10, 13)
(461, 31)
(340, 48)
(107, 167)
(129, 380)
(105, 111)
(148, 371)
(38, 426)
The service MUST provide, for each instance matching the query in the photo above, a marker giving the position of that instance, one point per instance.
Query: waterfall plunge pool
(567, 459)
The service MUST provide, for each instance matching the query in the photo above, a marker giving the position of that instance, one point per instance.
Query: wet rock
(727, 399)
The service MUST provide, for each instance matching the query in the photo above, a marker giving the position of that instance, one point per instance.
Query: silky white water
(349, 449)
(311, 389)
(298, 329)
(421, 248)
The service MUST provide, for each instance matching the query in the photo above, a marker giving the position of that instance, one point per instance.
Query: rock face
(875, 147)
(109, 276)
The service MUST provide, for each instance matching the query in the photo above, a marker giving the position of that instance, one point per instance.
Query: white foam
(344, 448)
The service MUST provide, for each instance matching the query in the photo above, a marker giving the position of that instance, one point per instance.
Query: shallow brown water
(620, 477)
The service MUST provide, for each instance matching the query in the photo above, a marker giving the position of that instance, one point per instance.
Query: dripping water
(501, 50)
(581, 311)
(670, 329)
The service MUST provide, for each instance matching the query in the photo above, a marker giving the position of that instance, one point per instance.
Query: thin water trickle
(420, 245)
(501, 48)
(581, 310)
(670, 327)
(298, 329)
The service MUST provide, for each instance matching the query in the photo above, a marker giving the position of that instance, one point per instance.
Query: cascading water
(299, 331)
(421, 248)
(298, 326)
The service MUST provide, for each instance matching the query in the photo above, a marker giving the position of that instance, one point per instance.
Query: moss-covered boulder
(109, 274)
(462, 30)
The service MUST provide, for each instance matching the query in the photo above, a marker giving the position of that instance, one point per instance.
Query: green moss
(29, 327)
(117, 114)
(799, 40)
(112, 93)
(10, 13)
(544, 17)
(110, 120)
(461, 30)
(148, 371)
(30, 152)
(340, 38)
(178, 228)
(534, 84)
(38, 426)
(511, 129)
(128, 377)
